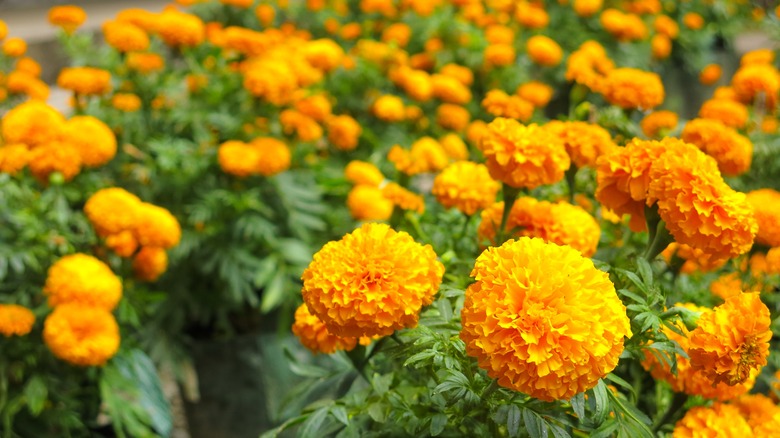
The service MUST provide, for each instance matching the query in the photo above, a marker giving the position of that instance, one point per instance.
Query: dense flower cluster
(262, 156)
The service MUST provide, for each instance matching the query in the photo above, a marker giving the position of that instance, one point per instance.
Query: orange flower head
(538, 93)
(587, 8)
(324, 54)
(710, 74)
(464, 75)
(631, 88)
(761, 413)
(363, 173)
(695, 260)
(584, 142)
(179, 29)
(13, 157)
(53, 157)
(29, 66)
(501, 104)
(15, 320)
(343, 132)
(466, 186)
(531, 15)
(731, 150)
(389, 108)
(728, 112)
(766, 207)
(14, 47)
(112, 211)
(145, 62)
(450, 89)
(126, 102)
(731, 340)
(451, 116)
(693, 21)
(367, 203)
(756, 81)
(425, 155)
(589, 66)
(544, 51)
(94, 140)
(85, 80)
(275, 156)
(758, 56)
(718, 420)
(82, 279)
(314, 335)
(82, 335)
(32, 123)
(371, 282)
(658, 123)
(454, 147)
(125, 36)
(623, 26)
(661, 46)
(502, 55)
(304, 127)
(403, 198)
(68, 17)
(150, 263)
(542, 319)
(123, 243)
(666, 26)
(156, 226)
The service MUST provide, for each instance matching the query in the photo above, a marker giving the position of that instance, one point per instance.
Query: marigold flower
(666, 26)
(464, 75)
(93, 139)
(623, 26)
(531, 15)
(454, 147)
(314, 335)
(589, 65)
(584, 142)
(15, 320)
(718, 420)
(542, 319)
(523, 156)
(731, 150)
(271, 80)
(81, 335)
(32, 123)
(125, 37)
(3, 30)
(450, 89)
(55, 157)
(544, 51)
(145, 62)
(500, 55)
(500, 104)
(693, 21)
(732, 339)
(661, 46)
(303, 126)
(710, 74)
(21, 82)
(13, 157)
(82, 279)
(316, 106)
(587, 8)
(728, 112)
(766, 207)
(85, 80)
(180, 29)
(112, 210)
(695, 260)
(389, 108)
(657, 123)
(156, 226)
(632, 88)
(14, 47)
(275, 156)
(150, 263)
(538, 93)
(699, 208)
(362, 172)
(754, 80)
(29, 66)
(761, 413)
(729, 285)
(403, 198)
(367, 203)
(68, 17)
(425, 155)
(343, 132)
(371, 282)
(126, 102)
(451, 116)
(466, 186)
(124, 243)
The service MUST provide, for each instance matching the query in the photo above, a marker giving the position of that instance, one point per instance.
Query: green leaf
(445, 309)
(601, 401)
(340, 413)
(634, 279)
(438, 422)
(381, 383)
(513, 417)
(622, 383)
(534, 424)
(606, 430)
(421, 356)
(578, 405)
(377, 412)
(558, 431)
(273, 294)
(645, 270)
(311, 427)
(35, 393)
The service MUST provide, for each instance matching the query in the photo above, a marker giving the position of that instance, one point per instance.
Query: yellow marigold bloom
(15, 320)
(317, 107)
(13, 157)
(371, 282)
(403, 198)
(55, 157)
(20, 82)
(272, 80)
(313, 334)
(362, 172)
(451, 116)
(542, 319)
(81, 335)
(32, 123)
(728, 112)
(587, 8)
(343, 132)
(126, 102)
(761, 413)
(538, 93)
(454, 147)
(466, 186)
(156, 226)
(303, 126)
(29, 66)
(3, 30)
(14, 47)
(275, 156)
(731, 340)
(389, 108)
(450, 89)
(658, 123)
(623, 26)
(758, 56)
(731, 150)
(531, 15)
(367, 203)
(661, 46)
(415, 83)
(695, 260)
(180, 29)
(544, 51)
(589, 65)
(766, 207)
(145, 62)
(464, 75)
(123, 243)
(501, 104)
(523, 156)
(699, 208)
(68, 17)
(82, 279)
(499, 34)
(631, 88)
(85, 80)
(584, 142)
(754, 80)
(150, 263)
(665, 25)
(710, 74)
(94, 140)
(425, 155)
(720, 420)
(112, 210)
(500, 55)
(693, 21)
(729, 285)
(125, 36)
(324, 54)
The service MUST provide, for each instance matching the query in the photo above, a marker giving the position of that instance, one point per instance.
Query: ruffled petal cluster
(82, 279)
(731, 150)
(315, 336)
(766, 207)
(719, 420)
(82, 335)
(15, 320)
(630, 88)
(262, 156)
(584, 142)
(541, 319)
(466, 186)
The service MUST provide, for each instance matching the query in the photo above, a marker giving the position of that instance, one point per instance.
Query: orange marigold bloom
(728, 112)
(126, 102)
(68, 17)
(766, 207)
(275, 155)
(316, 106)
(699, 208)
(13, 157)
(94, 140)
(538, 93)
(266, 14)
(156, 226)
(272, 80)
(464, 75)
(112, 210)
(15, 320)
(731, 150)
(145, 62)
(544, 51)
(754, 80)
(693, 21)
(661, 46)
(55, 157)
(125, 36)
(150, 263)
(389, 108)
(542, 319)
(367, 203)
(21, 82)
(531, 15)
(29, 66)
(500, 55)
(758, 56)
(632, 88)
(85, 80)
(451, 116)
(3, 30)
(324, 54)
(403, 198)
(123, 243)
(500, 104)
(657, 123)
(32, 123)
(82, 279)
(303, 126)
(710, 74)
(695, 260)
(362, 172)
(731, 340)
(180, 29)
(450, 89)
(14, 47)
(313, 334)
(720, 420)
(343, 132)
(666, 26)
(371, 282)
(81, 335)
(523, 156)
(587, 8)
(729, 285)
(589, 65)
(425, 155)
(454, 147)
(761, 413)
(623, 26)
(584, 142)
(466, 186)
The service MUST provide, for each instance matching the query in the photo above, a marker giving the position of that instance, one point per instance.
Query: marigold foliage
(15, 320)
(371, 282)
(466, 186)
(542, 319)
(82, 335)
(82, 279)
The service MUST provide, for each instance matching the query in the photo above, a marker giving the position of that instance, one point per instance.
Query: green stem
(489, 390)
(465, 226)
(570, 174)
(675, 408)
(659, 237)
(510, 195)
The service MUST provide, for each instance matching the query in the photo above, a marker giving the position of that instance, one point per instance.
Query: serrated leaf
(633, 278)
(645, 270)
